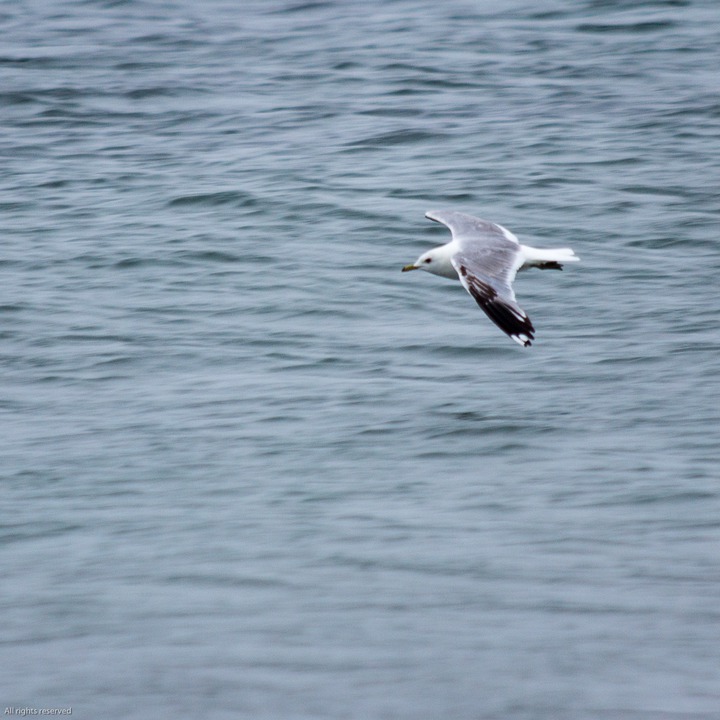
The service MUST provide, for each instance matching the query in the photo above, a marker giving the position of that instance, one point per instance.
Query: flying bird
(485, 257)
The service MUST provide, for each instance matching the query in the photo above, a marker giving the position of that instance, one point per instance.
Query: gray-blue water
(251, 470)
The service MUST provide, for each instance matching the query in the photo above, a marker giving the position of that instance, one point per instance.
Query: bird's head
(424, 262)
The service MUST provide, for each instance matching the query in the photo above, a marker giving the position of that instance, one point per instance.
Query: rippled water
(249, 469)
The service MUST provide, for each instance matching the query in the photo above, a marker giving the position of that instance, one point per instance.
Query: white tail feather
(533, 257)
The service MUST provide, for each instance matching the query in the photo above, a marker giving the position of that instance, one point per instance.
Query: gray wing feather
(468, 227)
(486, 249)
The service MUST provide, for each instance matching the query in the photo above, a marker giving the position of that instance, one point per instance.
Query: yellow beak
(407, 268)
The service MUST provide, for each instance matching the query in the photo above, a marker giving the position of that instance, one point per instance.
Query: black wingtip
(507, 318)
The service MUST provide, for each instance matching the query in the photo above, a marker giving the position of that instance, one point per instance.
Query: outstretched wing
(468, 227)
(497, 300)
(487, 261)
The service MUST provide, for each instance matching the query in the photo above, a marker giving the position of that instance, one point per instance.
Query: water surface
(249, 469)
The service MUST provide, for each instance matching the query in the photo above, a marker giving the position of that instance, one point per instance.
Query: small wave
(223, 197)
(639, 27)
(395, 137)
(302, 7)
(215, 256)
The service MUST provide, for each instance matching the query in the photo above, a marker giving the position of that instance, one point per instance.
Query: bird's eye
(427, 260)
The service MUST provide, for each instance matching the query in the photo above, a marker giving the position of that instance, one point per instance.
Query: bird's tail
(547, 258)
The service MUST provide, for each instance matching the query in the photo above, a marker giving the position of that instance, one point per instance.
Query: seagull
(485, 257)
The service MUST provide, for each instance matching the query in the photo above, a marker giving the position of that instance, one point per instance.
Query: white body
(528, 257)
